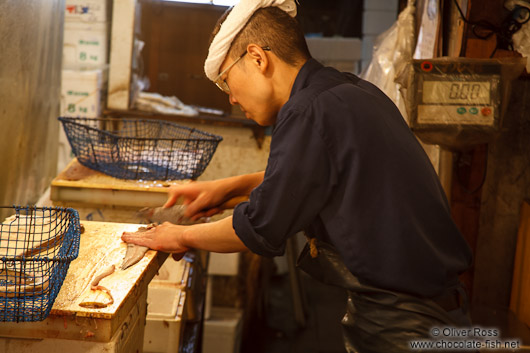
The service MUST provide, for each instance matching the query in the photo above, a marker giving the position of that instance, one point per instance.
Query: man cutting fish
(344, 168)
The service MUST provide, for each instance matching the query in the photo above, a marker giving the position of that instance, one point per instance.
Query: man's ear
(258, 56)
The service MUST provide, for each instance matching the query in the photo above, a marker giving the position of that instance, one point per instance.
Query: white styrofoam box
(385, 5)
(334, 48)
(222, 332)
(171, 271)
(85, 44)
(82, 92)
(223, 264)
(376, 22)
(165, 315)
(87, 10)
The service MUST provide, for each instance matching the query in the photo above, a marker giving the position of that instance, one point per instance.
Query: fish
(159, 215)
(14, 283)
(135, 252)
(95, 303)
(154, 216)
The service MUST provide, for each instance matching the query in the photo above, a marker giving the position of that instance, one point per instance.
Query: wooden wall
(30, 73)
(491, 181)
(507, 184)
(177, 37)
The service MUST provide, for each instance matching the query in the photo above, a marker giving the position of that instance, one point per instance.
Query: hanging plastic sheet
(393, 50)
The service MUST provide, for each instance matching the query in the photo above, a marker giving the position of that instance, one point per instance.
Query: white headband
(233, 24)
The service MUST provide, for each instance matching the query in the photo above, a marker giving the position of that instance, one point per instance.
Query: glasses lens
(223, 86)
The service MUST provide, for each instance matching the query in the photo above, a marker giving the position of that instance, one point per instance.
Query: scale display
(458, 102)
(448, 93)
(457, 93)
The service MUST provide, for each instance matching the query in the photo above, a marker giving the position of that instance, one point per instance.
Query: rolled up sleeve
(297, 184)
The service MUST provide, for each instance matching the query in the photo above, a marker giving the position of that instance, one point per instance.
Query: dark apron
(378, 320)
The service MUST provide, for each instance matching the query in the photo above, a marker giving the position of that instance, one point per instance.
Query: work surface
(100, 247)
(79, 184)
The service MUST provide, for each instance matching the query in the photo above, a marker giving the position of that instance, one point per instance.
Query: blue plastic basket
(36, 248)
(140, 149)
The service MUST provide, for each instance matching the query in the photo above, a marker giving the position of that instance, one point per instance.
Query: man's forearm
(242, 185)
(217, 236)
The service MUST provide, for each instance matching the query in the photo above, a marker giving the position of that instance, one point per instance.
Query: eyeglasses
(221, 83)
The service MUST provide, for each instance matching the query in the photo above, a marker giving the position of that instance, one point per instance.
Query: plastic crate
(140, 149)
(37, 245)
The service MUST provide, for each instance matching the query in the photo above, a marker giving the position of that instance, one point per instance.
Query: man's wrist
(186, 236)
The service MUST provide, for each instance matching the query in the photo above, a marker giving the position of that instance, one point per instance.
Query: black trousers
(379, 320)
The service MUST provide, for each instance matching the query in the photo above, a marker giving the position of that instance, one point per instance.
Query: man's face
(252, 90)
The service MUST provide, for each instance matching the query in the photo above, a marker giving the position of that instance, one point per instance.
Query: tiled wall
(379, 15)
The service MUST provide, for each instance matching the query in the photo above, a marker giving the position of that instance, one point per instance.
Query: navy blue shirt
(345, 167)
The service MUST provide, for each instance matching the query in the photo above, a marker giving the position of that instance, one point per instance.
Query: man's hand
(203, 199)
(165, 237)
(206, 198)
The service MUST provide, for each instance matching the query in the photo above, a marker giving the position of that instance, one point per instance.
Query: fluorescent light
(212, 2)
(193, 1)
(225, 2)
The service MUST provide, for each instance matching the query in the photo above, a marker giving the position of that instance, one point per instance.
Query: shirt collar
(302, 79)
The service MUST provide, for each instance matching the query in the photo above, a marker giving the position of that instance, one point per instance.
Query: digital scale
(455, 102)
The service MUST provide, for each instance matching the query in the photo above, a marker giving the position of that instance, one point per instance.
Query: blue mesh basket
(37, 245)
(140, 149)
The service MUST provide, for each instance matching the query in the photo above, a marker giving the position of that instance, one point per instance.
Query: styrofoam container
(223, 264)
(165, 316)
(222, 332)
(82, 92)
(85, 44)
(171, 271)
(87, 11)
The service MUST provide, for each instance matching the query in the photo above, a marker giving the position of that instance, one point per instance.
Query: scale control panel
(458, 102)
(448, 93)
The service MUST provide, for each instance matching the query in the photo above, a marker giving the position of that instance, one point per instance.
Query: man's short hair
(274, 28)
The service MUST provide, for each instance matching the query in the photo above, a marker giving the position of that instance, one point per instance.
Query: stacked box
(85, 64)
(86, 33)
(82, 92)
(87, 11)
(165, 318)
(85, 44)
(166, 307)
(222, 331)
